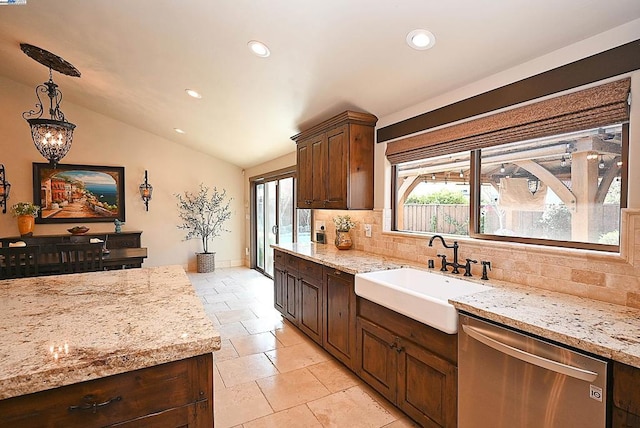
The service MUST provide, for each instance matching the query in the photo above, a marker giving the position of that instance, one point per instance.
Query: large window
(560, 190)
(548, 172)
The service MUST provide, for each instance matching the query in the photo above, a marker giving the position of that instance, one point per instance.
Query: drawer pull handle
(93, 406)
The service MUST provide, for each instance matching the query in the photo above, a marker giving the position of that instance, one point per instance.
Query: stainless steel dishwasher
(507, 379)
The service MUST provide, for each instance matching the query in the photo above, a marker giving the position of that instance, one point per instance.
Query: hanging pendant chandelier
(52, 137)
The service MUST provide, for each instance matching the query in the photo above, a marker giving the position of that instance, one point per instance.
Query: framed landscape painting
(78, 193)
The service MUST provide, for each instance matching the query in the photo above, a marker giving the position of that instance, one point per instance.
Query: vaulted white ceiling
(137, 57)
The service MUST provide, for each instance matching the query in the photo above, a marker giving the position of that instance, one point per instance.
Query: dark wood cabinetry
(311, 287)
(279, 281)
(176, 394)
(335, 161)
(340, 315)
(297, 287)
(411, 364)
(626, 396)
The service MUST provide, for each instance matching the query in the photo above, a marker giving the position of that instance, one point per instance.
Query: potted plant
(343, 225)
(203, 216)
(25, 212)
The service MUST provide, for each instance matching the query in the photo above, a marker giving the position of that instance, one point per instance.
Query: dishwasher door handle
(537, 360)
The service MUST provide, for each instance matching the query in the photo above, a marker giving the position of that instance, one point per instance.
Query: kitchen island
(104, 348)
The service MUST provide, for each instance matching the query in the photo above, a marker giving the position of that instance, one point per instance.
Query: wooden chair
(18, 262)
(84, 257)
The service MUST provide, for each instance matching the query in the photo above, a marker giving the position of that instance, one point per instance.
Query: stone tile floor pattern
(269, 374)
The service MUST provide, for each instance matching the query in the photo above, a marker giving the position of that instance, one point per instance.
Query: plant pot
(343, 240)
(206, 262)
(26, 223)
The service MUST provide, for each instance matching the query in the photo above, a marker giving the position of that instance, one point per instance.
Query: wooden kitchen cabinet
(297, 286)
(411, 364)
(335, 161)
(377, 359)
(279, 281)
(310, 283)
(176, 394)
(340, 315)
(626, 396)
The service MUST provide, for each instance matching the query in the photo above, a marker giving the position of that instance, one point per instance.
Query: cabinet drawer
(291, 262)
(113, 399)
(123, 241)
(310, 271)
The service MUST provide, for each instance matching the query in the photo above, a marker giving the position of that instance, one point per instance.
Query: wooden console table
(124, 248)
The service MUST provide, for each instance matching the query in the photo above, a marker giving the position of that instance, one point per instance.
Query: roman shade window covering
(586, 109)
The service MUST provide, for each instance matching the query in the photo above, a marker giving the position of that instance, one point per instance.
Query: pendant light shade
(52, 137)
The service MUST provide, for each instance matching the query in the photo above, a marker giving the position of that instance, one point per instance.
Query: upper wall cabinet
(335, 163)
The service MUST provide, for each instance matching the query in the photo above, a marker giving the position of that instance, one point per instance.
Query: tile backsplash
(613, 278)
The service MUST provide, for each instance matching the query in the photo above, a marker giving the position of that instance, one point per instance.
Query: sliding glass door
(277, 221)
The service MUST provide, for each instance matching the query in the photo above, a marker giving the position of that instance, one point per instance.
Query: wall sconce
(563, 162)
(5, 188)
(146, 190)
(52, 137)
(534, 185)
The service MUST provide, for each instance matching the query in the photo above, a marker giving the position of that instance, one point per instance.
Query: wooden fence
(454, 219)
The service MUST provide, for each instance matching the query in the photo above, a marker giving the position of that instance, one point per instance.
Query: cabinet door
(339, 314)
(304, 195)
(376, 358)
(311, 308)
(427, 386)
(319, 159)
(626, 396)
(291, 300)
(279, 289)
(336, 167)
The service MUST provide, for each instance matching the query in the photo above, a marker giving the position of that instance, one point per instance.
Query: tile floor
(269, 374)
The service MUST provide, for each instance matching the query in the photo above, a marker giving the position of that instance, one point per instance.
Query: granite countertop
(611, 331)
(63, 329)
(349, 261)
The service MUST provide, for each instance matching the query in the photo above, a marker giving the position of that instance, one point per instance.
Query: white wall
(99, 140)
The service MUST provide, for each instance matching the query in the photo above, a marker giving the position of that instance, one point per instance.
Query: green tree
(442, 197)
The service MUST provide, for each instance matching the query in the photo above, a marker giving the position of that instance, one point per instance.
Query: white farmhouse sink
(418, 294)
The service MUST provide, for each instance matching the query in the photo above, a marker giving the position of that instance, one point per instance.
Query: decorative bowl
(78, 230)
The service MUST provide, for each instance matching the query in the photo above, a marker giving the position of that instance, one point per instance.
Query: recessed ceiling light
(192, 93)
(179, 131)
(421, 39)
(259, 48)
